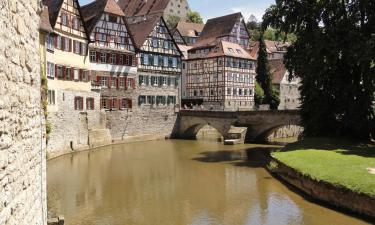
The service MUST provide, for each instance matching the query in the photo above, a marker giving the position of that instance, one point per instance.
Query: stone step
(99, 137)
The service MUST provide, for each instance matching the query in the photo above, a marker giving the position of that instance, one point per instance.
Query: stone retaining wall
(141, 121)
(340, 197)
(22, 139)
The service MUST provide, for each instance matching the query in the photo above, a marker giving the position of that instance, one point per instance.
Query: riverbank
(337, 172)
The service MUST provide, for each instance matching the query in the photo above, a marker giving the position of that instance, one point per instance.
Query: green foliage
(194, 17)
(334, 57)
(264, 76)
(172, 21)
(339, 162)
(275, 35)
(258, 94)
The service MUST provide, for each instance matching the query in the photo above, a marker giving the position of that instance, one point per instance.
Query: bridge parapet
(259, 123)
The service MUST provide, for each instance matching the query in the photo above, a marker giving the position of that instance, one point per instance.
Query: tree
(334, 57)
(264, 76)
(252, 23)
(194, 17)
(258, 94)
(172, 21)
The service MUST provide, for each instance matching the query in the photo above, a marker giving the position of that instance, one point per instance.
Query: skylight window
(231, 50)
(239, 51)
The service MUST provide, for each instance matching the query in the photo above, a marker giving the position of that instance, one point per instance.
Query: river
(176, 183)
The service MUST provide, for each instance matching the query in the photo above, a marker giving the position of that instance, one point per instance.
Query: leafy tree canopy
(264, 76)
(334, 57)
(172, 21)
(194, 17)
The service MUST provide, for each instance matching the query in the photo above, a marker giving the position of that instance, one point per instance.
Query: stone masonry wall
(70, 126)
(22, 156)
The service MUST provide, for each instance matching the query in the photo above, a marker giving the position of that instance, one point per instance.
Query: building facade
(220, 77)
(113, 61)
(72, 105)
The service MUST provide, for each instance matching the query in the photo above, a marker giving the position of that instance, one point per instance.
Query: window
(67, 44)
(231, 50)
(229, 91)
(75, 23)
(92, 56)
(141, 100)
(155, 43)
(112, 19)
(251, 92)
(245, 92)
(51, 97)
(156, 60)
(141, 80)
(130, 82)
(83, 48)
(103, 57)
(112, 59)
(171, 100)
(212, 92)
(154, 81)
(151, 100)
(234, 91)
(201, 93)
(174, 62)
(68, 74)
(121, 60)
(78, 103)
(160, 100)
(50, 70)
(77, 47)
(126, 103)
(59, 72)
(90, 104)
(103, 104)
(239, 51)
(64, 19)
(104, 81)
(102, 37)
(122, 82)
(50, 42)
(195, 93)
(145, 59)
(76, 74)
(59, 41)
(165, 61)
(240, 92)
(166, 44)
(113, 82)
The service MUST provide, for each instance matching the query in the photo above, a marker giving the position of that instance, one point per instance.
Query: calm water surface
(176, 183)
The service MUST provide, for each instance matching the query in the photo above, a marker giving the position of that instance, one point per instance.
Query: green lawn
(338, 162)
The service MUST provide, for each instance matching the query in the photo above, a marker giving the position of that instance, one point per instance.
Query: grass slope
(339, 162)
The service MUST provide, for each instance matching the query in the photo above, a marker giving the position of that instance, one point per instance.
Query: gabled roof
(143, 7)
(44, 24)
(225, 48)
(189, 29)
(278, 70)
(218, 27)
(92, 12)
(176, 31)
(54, 7)
(141, 30)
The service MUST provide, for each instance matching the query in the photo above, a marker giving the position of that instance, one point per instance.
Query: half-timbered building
(230, 28)
(159, 64)
(220, 77)
(112, 54)
(70, 97)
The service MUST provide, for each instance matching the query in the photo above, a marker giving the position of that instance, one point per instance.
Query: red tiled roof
(278, 70)
(217, 27)
(222, 48)
(44, 24)
(143, 7)
(142, 29)
(189, 29)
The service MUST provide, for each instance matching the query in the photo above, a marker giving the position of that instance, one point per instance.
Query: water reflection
(176, 182)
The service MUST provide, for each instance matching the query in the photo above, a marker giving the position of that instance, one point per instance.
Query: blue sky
(214, 8)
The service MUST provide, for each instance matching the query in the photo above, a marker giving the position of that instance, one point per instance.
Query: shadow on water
(259, 157)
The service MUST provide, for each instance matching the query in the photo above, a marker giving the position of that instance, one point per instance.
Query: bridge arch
(263, 134)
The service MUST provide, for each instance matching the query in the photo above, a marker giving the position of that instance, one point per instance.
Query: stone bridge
(260, 124)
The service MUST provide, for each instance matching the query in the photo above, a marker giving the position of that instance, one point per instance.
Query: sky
(214, 8)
